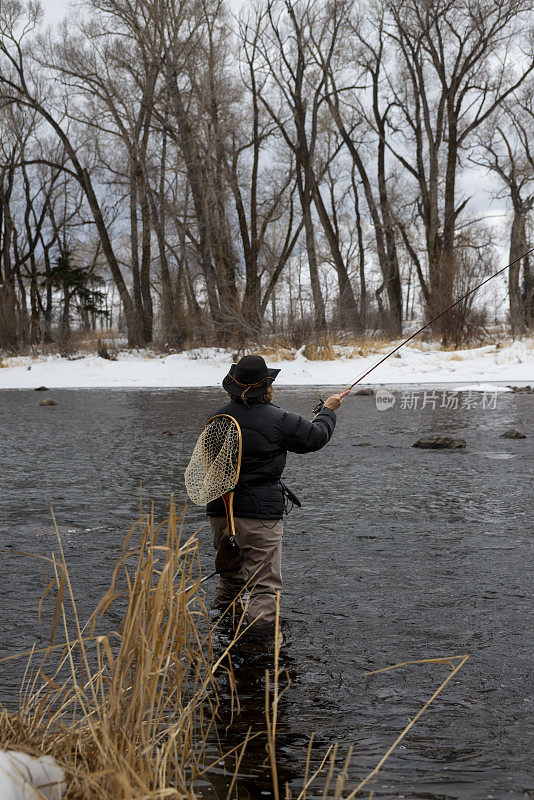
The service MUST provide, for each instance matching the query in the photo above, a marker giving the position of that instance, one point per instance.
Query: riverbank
(422, 363)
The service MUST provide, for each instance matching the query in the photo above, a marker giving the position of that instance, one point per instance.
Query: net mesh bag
(214, 466)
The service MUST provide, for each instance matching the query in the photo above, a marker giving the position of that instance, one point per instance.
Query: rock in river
(48, 402)
(522, 389)
(513, 433)
(41, 389)
(366, 391)
(439, 443)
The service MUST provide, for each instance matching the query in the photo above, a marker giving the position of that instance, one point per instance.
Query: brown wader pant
(261, 543)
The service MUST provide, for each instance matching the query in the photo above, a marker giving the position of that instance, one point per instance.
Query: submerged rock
(513, 433)
(48, 402)
(439, 443)
(366, 391)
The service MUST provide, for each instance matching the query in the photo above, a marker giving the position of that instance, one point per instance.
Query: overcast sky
(56, 9)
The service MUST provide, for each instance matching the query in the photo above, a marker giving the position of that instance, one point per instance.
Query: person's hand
(335, 400)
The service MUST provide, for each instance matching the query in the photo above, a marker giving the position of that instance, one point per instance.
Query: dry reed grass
(370, 346)
(277, 350)
(130, 713)
(331, 347)
(87, 341)
(321, 350)
(327, 347)
(131, 717)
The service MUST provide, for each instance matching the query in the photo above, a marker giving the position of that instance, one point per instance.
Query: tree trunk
(518, 245)
(361, 253)
(35, 329)
(65, 316)
(311, 249)
(134, 243)
(444, 290)
(197, 186)
(8, 299)
(527, 295)
(392, 273)
(47, 332)
(146, 262)
(349, 315)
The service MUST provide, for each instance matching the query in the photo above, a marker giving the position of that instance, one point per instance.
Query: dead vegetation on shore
(126, 713)
(317, 346)
(132, 713)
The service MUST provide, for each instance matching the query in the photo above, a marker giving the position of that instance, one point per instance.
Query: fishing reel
(319, 407)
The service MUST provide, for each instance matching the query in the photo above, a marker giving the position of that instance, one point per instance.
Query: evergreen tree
(79, 285)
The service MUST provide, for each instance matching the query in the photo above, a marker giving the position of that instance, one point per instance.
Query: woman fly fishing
(268, 433)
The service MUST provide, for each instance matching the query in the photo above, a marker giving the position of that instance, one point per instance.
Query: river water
(397, 554)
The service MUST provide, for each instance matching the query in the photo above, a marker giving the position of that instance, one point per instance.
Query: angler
(236, 469)
(268, 433)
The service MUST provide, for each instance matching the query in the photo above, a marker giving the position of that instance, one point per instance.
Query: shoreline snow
(424, 364)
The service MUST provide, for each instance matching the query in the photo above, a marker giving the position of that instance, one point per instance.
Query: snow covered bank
(425, 363)
(23, 777)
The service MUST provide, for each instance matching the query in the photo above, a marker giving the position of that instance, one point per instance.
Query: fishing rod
(320, 405)
(427, 324)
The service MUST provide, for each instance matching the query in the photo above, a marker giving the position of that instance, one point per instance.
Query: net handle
(228, 500)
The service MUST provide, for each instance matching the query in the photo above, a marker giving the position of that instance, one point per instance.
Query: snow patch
(23, 777)
(478, 367)
(488, 388)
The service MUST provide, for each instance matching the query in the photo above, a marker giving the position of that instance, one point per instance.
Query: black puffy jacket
(268, 433)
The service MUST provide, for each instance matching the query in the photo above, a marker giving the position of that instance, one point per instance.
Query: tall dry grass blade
(332, 752)
(342, 777)
(374, 772)
(58, 604)
(271, 710)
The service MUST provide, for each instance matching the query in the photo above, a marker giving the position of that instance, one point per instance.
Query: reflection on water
(397, 554)
(498, 456)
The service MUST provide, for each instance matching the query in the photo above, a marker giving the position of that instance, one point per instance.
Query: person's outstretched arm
(299, 435)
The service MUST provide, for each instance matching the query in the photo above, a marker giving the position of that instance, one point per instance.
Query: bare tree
(19, 85)
(348, 92)
(293, 96)
(212, 160)
(459, 61)
(505, 149)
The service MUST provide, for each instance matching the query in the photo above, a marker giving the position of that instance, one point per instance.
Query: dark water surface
(397, 554)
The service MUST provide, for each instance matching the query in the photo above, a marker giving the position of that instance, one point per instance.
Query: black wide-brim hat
(250, 377)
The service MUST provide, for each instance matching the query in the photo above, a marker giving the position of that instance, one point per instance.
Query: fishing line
(466, 295)
(320, 405)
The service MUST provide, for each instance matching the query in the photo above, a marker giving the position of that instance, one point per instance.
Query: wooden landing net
(213, 470)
